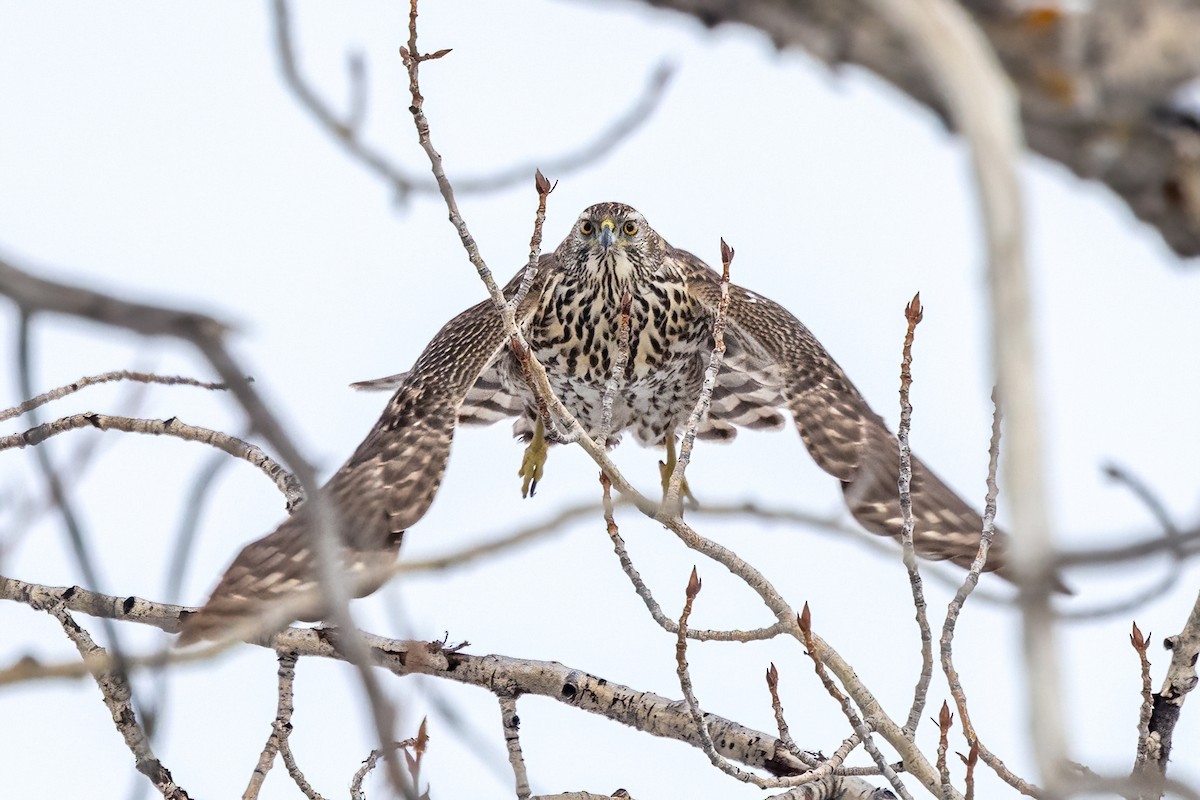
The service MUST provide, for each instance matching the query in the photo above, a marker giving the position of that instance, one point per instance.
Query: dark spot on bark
(569, 690)
(127, 606)
(69, 593)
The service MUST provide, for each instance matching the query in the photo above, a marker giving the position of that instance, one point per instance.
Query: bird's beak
(608, 233)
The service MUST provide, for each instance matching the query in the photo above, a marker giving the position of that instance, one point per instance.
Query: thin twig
(1141, 643)
(689, 694)
(821, 767)
(946, 643)
(346, 129)
(652, 605)
(281, 727)
(544, 188)
(671, 502)
(106, 377)
(913, 313)
(970, 760)
(944, 721)
(369, 763)
(811, 646)
(512, 740)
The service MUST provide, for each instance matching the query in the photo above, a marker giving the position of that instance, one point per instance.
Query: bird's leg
(668, 469)
(534, 461)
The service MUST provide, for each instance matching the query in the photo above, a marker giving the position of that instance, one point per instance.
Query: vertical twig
(913, 314)
(281, 727)
(1140, 645)
(671, 503)
(946, 642)
(970, 760)
(944, 721)
(512, 739)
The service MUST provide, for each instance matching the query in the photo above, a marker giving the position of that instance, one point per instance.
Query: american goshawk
(571, 314)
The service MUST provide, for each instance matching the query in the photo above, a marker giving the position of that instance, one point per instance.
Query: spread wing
(845, 437)
(386, 486)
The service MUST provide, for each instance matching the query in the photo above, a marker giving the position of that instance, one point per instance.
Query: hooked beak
(608, 234)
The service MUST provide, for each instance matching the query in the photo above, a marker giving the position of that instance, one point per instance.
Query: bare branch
(346, 129)
(33, 294)
(106, 377)
(652, 605)
(511, 723)
(645, 711)
(281, 728)
(1172, 538)
(812, 645)
(944, 721)
(983, 104)
(1168, 703)
(671, 503)
(114, 686)
(1097, 83)
(232, 445)
(913, 314)
(689, 695)
(1140, 645)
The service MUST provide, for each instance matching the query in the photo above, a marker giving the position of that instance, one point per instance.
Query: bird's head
(612, 240)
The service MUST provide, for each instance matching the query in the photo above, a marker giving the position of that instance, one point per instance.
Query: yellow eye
(587, 228)
(630, 229)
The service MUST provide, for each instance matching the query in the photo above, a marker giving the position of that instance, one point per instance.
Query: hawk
(773, 368)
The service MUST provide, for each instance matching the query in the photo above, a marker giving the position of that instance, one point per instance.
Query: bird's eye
(587, 228)
(630, 228)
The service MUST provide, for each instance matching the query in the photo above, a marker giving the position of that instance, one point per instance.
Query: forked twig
(946, 642)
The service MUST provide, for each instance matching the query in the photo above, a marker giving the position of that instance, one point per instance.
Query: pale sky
(153, 151)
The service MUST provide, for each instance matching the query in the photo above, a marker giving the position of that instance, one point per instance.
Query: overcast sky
(152, 150)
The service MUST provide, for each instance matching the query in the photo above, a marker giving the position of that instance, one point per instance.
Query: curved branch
(232, 445)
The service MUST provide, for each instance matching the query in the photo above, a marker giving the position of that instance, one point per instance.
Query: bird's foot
(667, 469)
(534, 461)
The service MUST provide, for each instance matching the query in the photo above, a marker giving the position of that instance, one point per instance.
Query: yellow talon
(534, 461)
(668, 469)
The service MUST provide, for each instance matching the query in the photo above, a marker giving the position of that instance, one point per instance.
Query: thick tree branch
(1095, 84)
(501, 675)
